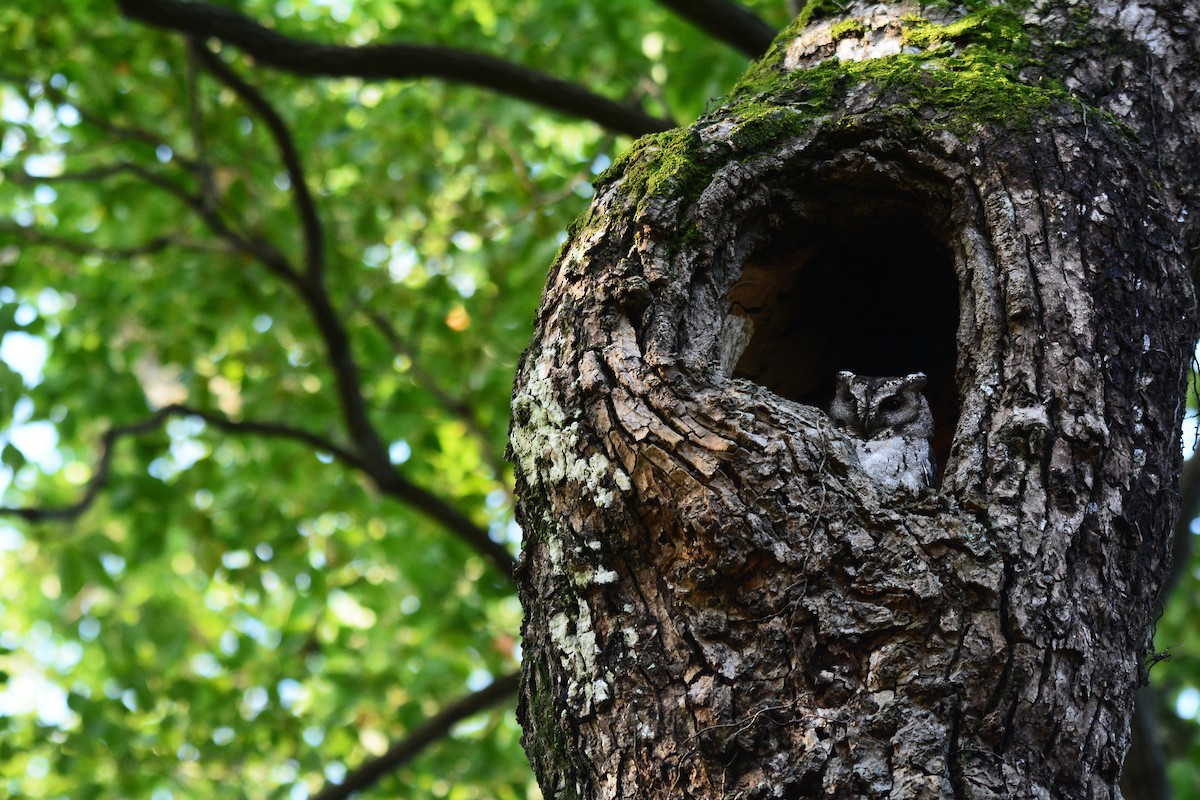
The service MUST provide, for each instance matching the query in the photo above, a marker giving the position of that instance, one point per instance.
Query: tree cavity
(836, 283)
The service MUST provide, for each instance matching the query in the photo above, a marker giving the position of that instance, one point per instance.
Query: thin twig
(111, 253)
(310, 224)
(390, 62)
(101, 122)
(108, 441)
(456, 406)
(429, 732)
(99, 476)
(255, 248)
(275, 430)
(204, 171)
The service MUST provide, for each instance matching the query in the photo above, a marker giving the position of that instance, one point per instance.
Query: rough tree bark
(719, 602)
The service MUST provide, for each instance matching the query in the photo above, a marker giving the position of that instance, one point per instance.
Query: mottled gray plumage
(890, 422)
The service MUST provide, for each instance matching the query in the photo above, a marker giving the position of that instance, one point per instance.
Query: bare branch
(274, 430)
(431, 731)
(728, 21)
(390, 62)
(314, 236)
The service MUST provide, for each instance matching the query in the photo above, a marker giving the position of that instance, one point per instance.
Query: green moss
(818, 9)
(549, 746)
(1080, 32)
(966, 75)
(766, 124)
(668, 164)
(995, 27)
(847, 27)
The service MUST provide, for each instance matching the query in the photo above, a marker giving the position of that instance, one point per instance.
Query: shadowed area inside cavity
(834, 286)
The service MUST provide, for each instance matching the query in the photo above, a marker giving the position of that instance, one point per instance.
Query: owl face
(880, 408)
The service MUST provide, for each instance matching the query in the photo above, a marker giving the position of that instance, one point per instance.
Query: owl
(890, 422)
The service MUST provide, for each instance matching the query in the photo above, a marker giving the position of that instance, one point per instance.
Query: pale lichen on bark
(546, 445)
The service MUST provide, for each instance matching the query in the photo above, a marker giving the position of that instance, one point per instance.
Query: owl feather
(890, 422)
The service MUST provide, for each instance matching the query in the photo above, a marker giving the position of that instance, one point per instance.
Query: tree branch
(390, 62)
(309, 284)
(389, 482)
(310, 224)
(369, 452)
(255, 248)
(429, 732)
(99, 121)
(373, 455)
(79, 248)
(99, 476)
(731, 23)
(375, 459)
(275, 430)
(392, 483)
(108, 441)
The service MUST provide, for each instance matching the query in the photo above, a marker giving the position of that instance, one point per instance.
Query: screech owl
(890, 422)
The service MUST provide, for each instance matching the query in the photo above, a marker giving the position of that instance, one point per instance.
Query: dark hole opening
(872, 291)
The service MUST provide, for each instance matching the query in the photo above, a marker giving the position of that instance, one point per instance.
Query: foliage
(246, 616)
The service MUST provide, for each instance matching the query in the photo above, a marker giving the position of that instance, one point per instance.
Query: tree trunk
(719, 601)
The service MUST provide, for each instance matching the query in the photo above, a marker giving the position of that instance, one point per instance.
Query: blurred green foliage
(237, 616)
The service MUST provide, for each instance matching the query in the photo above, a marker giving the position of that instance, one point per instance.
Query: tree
(718, 601)
(279, 284)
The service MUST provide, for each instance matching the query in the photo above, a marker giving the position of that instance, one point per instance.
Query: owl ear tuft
(915, 380)
(845, 376)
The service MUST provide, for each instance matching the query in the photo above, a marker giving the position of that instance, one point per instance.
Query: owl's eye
(893, 403)
(838, 422)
